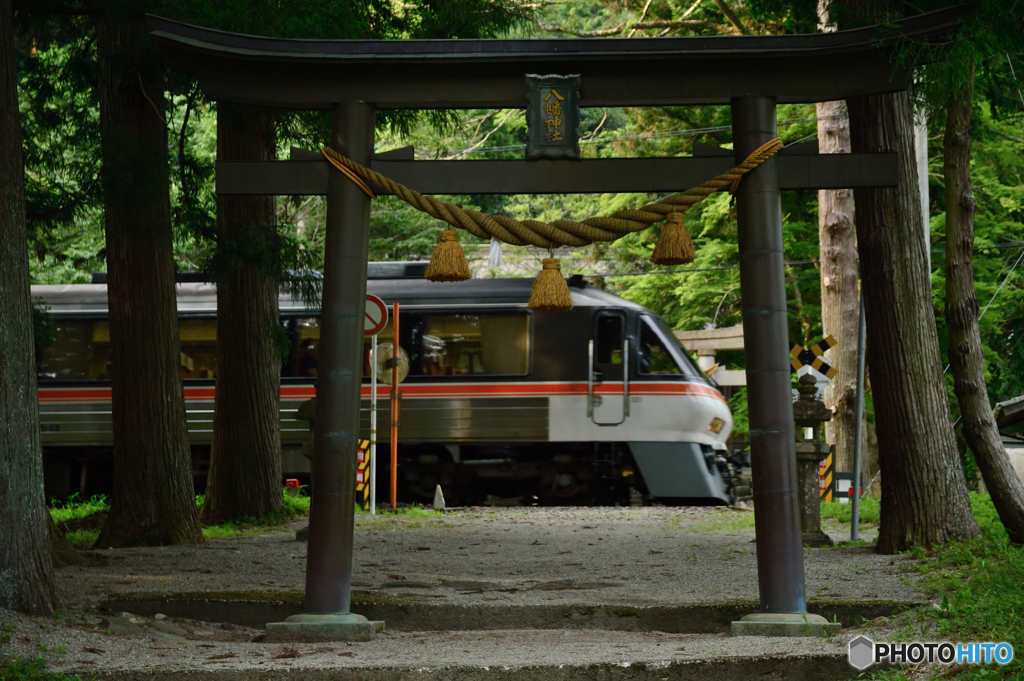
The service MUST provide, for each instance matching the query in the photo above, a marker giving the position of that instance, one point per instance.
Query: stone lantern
(809, 413)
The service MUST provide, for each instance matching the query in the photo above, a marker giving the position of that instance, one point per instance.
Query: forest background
(64, 199)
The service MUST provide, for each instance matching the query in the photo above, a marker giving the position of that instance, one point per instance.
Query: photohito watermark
(864, 653)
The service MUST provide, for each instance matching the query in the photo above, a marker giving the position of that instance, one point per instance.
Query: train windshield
(659, 353)
(655, 356)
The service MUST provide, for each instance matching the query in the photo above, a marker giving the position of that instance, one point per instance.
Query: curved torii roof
(425, 74)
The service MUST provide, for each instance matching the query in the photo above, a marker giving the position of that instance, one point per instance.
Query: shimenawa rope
(560, 232)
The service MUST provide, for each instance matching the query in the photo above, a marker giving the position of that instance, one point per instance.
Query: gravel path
(501, 556)
(638, 556)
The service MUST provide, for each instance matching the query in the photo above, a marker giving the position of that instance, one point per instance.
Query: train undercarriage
(545, 474)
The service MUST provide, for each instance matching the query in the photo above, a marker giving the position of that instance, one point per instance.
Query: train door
(608, 381)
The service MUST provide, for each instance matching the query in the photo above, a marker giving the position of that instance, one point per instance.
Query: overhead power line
(796, 263)
(641, 136)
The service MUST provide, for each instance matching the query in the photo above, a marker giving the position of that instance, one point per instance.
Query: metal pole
(373, 424)
(394, 408)
(780, 564)
(858, 437)
(339, 378)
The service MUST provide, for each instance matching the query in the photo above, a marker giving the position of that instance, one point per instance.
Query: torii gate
(352, 78)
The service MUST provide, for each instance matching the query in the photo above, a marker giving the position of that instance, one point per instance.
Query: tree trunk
(839, 298)
(965, 351)
(924, 497)
(26, 571)
(245, 465)
(153, 498)
(840, 303)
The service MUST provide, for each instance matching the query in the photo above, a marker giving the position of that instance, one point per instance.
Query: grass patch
(75, 509)
(411, 511)
(980, 585)
(293, 507)
(869, 510)
(77, 537)
(722, 521)
(21, 669)
(406, 517)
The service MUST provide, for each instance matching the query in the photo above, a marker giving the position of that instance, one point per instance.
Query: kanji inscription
(552, 115)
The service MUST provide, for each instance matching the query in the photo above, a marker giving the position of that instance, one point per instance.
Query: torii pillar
(780, 559)
(328, 615)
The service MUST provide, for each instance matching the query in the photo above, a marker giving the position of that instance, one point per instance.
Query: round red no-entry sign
(376, 316)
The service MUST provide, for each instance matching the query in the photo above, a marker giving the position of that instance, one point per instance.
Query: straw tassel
(675, 247)
(449, 260)
(550, 292)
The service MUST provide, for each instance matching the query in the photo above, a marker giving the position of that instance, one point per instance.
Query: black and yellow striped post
(363, 481)
(827, 470)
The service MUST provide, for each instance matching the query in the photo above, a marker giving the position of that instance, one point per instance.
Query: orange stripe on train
(640, 388)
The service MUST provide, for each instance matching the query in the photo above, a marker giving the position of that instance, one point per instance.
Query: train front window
(609, 339)
(466, 345)
(655, 357)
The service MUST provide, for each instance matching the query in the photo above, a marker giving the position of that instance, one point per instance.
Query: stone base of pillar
(816, 538)
(308, 628)
(784, 624)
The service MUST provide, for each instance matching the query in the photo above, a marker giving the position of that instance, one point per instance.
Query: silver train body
(598, 404)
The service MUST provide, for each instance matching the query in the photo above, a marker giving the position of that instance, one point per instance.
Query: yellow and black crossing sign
(826, 470)
(812, 357)
(363, 475)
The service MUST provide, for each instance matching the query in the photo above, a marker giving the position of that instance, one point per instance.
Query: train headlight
(716, 425)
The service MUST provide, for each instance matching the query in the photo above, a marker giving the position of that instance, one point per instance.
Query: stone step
(524, 655)
(410, 614)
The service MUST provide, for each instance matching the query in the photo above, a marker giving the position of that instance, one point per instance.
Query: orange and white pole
(394, 409)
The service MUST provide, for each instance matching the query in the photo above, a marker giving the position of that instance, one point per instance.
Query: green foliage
(999, 243)
(82, 537)
(293, 507)
(740, 413)
(60, 132)
(977, 583)
(404, 511)
(23, 669)
(75, 509)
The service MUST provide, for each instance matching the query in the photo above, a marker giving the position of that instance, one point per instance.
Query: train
(598, 405)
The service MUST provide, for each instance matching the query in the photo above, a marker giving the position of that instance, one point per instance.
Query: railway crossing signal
(812, 357)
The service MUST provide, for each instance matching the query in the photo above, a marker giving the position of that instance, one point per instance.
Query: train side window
(198, 347)
(655, 357)
(79, 352)
(386, 335)
(305, 356)
(609, 339)
(464, 345)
